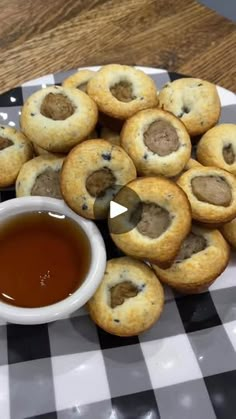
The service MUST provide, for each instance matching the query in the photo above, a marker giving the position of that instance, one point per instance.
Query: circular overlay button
(125, 211)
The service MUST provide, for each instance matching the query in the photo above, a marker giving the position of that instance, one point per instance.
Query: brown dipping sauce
(44, 258)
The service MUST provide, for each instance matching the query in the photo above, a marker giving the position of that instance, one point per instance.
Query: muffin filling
(120, 292)
(228, 154)
(155, 220)
(47, 184)
(5, 143)
(212, 189)
(161, 138)
(123, 91)
(193, 243)
(57, 107)
(99, 181)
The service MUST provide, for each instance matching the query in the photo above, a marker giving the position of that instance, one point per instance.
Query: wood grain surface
(43, 36)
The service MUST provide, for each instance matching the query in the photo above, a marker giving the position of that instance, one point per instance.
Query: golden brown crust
(85, 159)
(146, 161)
(204, 211)
(229, 232)
(136, 314)
(144, 90)
(32, 169)
(58, 135)
(210, 147)
(194, 101)
(163, 249)
(13, 157)
(79, 80)
(198, 272)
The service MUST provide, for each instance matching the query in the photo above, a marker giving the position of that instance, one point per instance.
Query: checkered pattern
(184, 367)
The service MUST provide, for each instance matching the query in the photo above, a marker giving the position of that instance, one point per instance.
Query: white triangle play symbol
(116, 209)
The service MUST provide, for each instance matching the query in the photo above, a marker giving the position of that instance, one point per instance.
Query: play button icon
(116, 209)
(122, 206)
(125, 211)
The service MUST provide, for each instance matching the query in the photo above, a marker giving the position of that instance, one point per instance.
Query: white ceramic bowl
(63, 308)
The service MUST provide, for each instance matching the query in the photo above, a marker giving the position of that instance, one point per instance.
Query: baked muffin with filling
(217, 147)
(163, 221)
(91, 174)
(129, 299)
(79, 80)
(40, 177)
(203, 256)
(120, 90)
(157, 142)
(15, 150)
(57, 118)
(195, 101)
(211, 193)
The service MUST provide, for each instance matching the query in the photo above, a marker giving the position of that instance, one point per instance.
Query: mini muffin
(112, 136)
(39, 151)
(40, 177)
(79, 80)
(129, 299)
(211, 193)
(58, 118)
(164, 222)
(15, 150)
(203, 256)
(90, 176)
(157, 142)
(194, 101)
(218, 148)
(120, 91)
(229, 232)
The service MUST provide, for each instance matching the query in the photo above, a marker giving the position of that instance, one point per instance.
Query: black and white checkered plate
(183, 368)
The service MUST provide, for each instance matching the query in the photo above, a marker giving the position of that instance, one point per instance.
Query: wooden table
(44, 36)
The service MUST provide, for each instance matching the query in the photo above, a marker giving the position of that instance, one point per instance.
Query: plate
(184, 367)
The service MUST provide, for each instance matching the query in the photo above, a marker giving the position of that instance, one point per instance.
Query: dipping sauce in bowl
(44, 257)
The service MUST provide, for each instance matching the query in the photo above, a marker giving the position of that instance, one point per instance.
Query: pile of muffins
(112, 127)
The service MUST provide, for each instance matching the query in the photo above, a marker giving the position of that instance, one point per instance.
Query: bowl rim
(63, 308)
